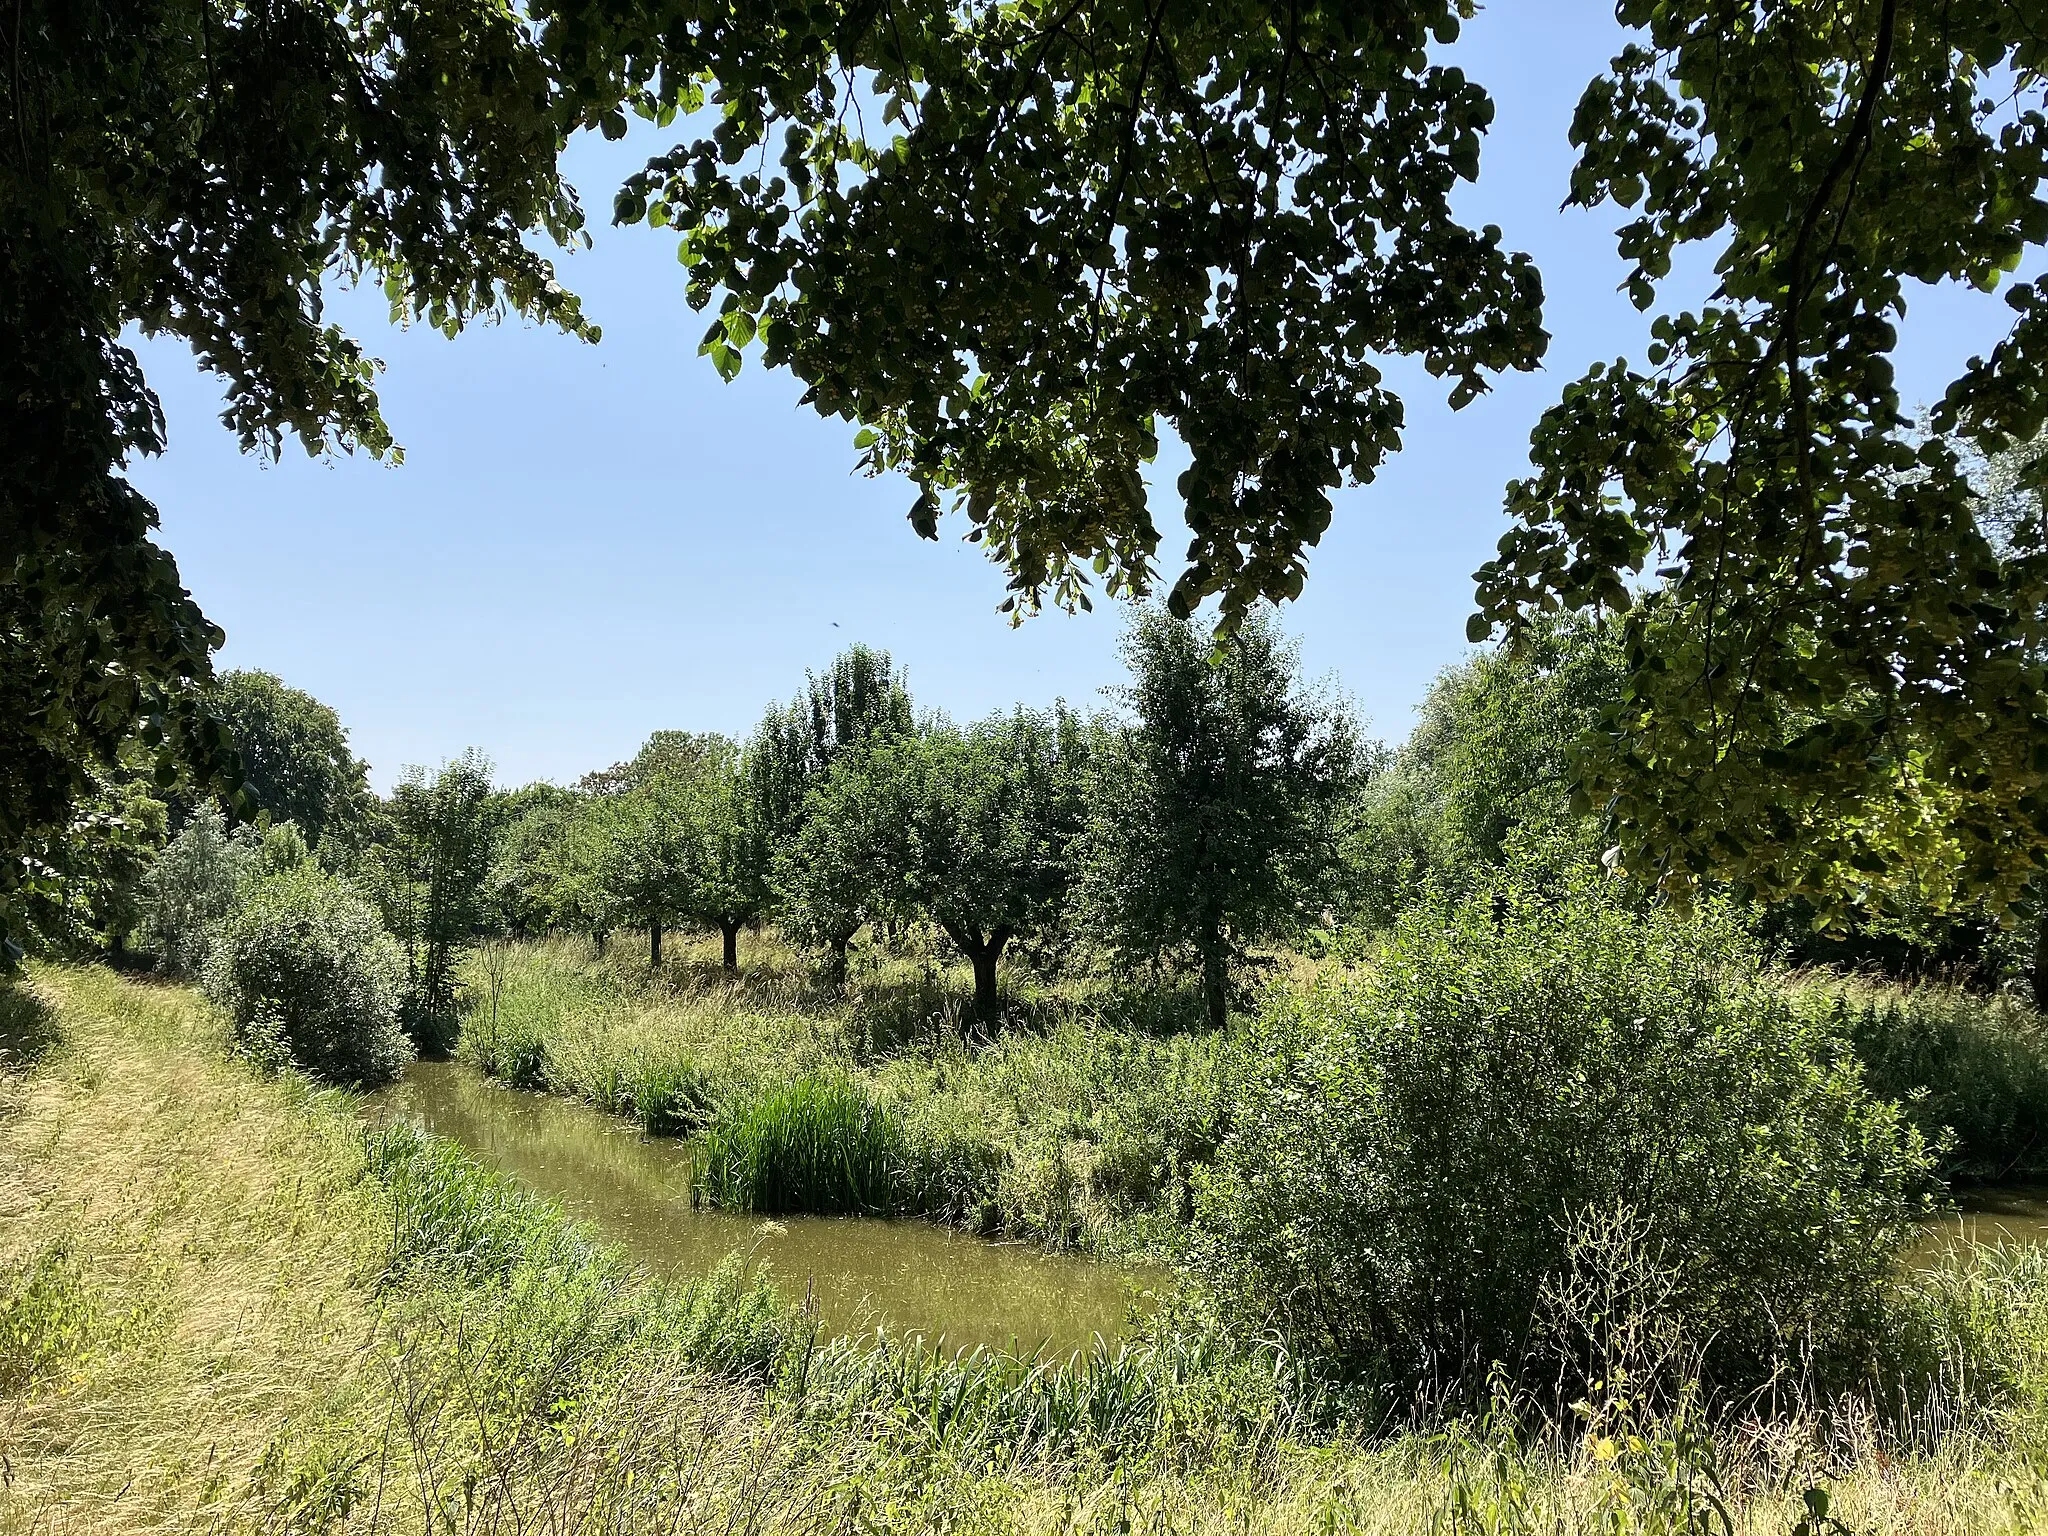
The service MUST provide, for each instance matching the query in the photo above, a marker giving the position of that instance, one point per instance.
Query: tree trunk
(730, 932)
(1216, 985)
(600, 936)
(835, 968)
(654, 945)
(985, 999)
(2038, 974)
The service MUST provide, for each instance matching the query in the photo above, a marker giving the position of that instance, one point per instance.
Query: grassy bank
(1075, 1128)
(223, 1305)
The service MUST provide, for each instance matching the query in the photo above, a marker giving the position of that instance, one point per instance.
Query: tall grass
(1076, 1128)
(812, 1144)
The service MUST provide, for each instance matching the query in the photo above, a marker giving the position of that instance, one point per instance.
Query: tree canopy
(1016, 242)
(1835, 669)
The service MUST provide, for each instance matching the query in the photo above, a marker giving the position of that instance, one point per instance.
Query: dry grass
(208, 1229)
(220, 1359)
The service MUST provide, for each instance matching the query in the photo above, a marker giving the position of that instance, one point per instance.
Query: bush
(1972, 1071)
(308, 974)
(1415, 1147)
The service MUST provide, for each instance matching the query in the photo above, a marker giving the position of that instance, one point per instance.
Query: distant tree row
(1196, 823)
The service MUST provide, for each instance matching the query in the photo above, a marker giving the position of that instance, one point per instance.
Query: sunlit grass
(230, 1311)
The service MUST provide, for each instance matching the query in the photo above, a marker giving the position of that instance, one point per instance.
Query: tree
(643, 854)
(1214, 817)
(430, 881)
(974, 830)
(1836, 673)
(820, 878)
(1487, 773)
(294, 756)
(202, 170)
(728, 880)
(528, 869)
(195, 883)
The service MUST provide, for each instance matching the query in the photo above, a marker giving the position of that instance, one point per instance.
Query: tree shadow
(28, 1026)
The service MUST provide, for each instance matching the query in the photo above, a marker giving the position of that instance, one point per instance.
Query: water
(635, 1191)
(2006, 1214)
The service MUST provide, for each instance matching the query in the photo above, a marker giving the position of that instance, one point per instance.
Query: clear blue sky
(586, 544)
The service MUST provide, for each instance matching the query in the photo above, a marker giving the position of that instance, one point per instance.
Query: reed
(812, 1144)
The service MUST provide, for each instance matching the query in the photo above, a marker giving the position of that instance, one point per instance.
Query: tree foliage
(201, 171)
(971, 830)
(1013, 239)
(294, 756)
(1836, 674)
(431, 881)
(1213, 819)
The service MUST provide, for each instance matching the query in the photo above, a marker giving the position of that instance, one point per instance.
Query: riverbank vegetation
(274, 1319)
(1470, 1160)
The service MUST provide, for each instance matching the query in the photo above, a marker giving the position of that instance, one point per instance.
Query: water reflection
(636, 1192)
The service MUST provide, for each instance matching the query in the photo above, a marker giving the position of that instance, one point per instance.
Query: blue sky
(586, 544)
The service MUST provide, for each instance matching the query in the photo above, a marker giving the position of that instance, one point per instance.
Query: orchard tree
(974, 829)
(728, 884)
(645, 856)
(860, 696)
(294, 756)
(1213, 821)
(829, 876)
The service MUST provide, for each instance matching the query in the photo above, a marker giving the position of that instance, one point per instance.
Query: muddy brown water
(2012, 1214)
(634, 1190)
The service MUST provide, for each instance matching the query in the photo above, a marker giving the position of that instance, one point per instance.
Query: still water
(2008, 1214)
(635, 1191)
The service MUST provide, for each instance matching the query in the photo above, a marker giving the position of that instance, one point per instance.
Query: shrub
(1972, 1071)
(1414, 1146)
(308, 974)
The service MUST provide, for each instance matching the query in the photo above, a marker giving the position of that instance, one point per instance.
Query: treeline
(1223, 805)
(1199, 822)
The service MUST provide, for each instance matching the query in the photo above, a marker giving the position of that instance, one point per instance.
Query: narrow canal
(907, 1276)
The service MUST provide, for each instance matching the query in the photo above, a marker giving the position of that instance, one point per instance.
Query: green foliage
(80, 890)
(1972, 1072)
(1488, 771)
(308, 976)
(1413, 1148)
(822, 887)
(729, 879)
(970, 829)
(295, 757)
(1028, 235)
(812, 1144)
(47, 1316)
(193, 885)
(1213, 819)
(1813, 703)
(431, 879)
(195, 172)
